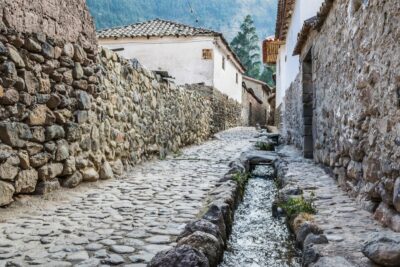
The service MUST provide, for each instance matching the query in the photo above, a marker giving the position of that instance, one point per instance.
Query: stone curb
(208, 235)
(308, 234)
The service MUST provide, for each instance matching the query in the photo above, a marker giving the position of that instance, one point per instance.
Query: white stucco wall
(183, 59)
(225, 79)
(290, 65)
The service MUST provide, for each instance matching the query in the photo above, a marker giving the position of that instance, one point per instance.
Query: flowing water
(259, 239)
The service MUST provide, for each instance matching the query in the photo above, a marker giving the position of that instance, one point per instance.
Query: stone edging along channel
(202, 242)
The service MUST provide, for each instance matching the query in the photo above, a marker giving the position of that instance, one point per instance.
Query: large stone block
(41, 115)
(14, 134)
(26, 181)
(45, 187)
(6, 193)
(50, 171)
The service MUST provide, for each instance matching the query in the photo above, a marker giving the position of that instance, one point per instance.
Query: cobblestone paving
(341, 218)
(125, 221)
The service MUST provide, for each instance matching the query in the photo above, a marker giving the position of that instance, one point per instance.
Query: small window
(207, 54)
(237, 78)
(223, 63)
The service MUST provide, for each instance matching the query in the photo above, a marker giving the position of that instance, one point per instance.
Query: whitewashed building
(292, 15)
(190, 55)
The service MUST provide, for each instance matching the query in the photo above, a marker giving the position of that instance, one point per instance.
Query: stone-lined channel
(258, 238)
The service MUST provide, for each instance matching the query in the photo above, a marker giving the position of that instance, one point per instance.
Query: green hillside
(220, 15)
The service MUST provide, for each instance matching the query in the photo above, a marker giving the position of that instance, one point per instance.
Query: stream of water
(259, 239)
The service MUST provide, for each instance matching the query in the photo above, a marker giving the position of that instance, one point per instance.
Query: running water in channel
(259, 239)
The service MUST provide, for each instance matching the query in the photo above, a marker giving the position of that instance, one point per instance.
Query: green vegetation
(221, 15)
(295, 206)
(264, 146)
(241, 179)
(246, 46)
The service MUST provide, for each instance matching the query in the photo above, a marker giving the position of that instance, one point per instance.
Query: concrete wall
(182, 58)
(355, 76)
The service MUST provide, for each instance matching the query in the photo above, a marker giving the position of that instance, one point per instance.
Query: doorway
(308, 106)
(250, 115)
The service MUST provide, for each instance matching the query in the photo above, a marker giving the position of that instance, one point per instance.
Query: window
(237, 78)
(207, 54)
(223, 62)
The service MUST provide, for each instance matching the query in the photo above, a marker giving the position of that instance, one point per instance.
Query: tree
(247, 48)
(267, 74)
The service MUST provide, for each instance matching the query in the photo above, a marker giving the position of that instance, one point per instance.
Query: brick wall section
(357, 113)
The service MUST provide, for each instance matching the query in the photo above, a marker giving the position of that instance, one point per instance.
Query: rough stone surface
(208, 244)
(203, 226)
(332, 261)
(26, 181)
(383, 249)
(63, 21)
(62, 101)
(6, 193)
(355, 108)
(106, 171)
(341, 219)
(180, 257)
(146, 209)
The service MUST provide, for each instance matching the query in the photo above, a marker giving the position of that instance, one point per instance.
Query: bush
(295, 206)
(265, 146)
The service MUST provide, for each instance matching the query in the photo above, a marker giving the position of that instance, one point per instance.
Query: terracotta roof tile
(154, 28)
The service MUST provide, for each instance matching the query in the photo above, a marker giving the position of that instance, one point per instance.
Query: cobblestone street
(341, 218)
(123, 221)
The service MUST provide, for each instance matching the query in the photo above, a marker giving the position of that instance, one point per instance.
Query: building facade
(190, 55)
(342, 105)
(256, 105)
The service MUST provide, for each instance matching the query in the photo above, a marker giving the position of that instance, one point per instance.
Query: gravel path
(120, 222)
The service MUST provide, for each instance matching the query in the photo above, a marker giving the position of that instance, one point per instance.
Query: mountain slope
(220, 15)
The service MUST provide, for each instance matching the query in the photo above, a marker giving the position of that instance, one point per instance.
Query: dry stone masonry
(355, 77)
(226, 112)
(70, 113)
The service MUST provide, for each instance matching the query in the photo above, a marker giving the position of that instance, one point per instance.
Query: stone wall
(253, 112)
(226, 112)
(68, 116)
(357, 117)
(293, 122)
(71, 114)
(62, 21)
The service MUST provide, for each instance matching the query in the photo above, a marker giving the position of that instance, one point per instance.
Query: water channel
(259, 239)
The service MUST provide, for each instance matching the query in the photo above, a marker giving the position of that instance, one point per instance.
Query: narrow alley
(120, 221)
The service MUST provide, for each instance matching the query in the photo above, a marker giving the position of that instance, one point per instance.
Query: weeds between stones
(264, 146)
(241, 179)
(295, 206)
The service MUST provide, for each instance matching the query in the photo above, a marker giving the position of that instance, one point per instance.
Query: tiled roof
(162, 28)
(154, 28)
(285, 11)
